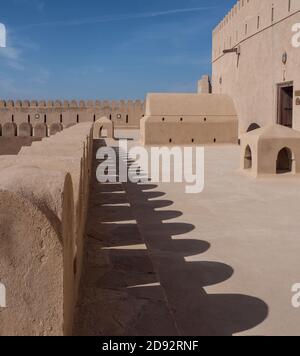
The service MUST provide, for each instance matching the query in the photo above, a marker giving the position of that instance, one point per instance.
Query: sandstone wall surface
(43, 204)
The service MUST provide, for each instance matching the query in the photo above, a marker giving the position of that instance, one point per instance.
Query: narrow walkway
(120, 291)
(144, 268)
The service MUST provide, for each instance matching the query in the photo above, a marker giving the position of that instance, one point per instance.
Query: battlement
(44, 195)
(247, 18)
(67, 103)
(123, 113)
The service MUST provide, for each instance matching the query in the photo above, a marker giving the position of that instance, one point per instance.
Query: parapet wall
(262, 57)
(122, 113)
(43, 206)
(177, 119)
(247, 18)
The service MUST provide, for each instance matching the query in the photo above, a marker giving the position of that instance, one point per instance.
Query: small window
(252, 127)
(284, 162)
(248, 158)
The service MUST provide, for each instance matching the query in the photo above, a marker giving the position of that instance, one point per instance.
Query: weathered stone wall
(43, 205)
(260, 150)
(65, 113)
(262, 33)
(175, 119)
(103, 125)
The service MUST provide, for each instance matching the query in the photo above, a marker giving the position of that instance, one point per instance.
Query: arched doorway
(253, 127)
(284, 162)
(248, 158)
(103, 132)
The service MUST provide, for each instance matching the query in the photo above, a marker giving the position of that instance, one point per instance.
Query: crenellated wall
(247, 18)
(124, 114)
(261, 32)
(44, 194)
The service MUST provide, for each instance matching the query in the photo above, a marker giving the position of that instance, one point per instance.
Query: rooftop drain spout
(236, 50)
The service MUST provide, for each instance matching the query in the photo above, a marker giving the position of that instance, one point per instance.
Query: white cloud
(10, 53)
(114, 18)
(9, 88)
(12, 87)
(11, 57)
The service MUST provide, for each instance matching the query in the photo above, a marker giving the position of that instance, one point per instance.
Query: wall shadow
(13, 145)
(136, 280)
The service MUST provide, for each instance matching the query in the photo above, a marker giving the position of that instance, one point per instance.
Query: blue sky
(105, 49)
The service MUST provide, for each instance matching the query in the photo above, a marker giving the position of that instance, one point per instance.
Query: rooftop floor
(222, 262)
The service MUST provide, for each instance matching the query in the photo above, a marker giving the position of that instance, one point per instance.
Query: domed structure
(273, 149)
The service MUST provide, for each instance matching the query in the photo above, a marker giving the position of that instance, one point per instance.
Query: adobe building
(124, 114)
(144, 265)
(23, 121)
(177, 119)
(273, 149)
(255, 63)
